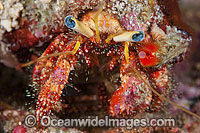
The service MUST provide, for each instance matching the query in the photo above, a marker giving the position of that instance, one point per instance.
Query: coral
(22, 38)
(10, 13)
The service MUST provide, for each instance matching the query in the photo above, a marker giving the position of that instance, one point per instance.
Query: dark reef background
(13, 83)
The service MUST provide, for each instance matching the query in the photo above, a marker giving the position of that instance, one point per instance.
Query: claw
(44, 67)
(133, 96)
(52, 74)
(51, 91)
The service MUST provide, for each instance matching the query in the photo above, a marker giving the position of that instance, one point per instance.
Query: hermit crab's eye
(69, 22)
(78, 26)
(130, 36)
(139, 36)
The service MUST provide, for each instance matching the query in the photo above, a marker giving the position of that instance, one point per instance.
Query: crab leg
(54, 75)
(44, 67)
(133, 96)
(51, 91)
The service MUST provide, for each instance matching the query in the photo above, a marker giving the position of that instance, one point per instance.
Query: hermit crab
(52, 74)
(144, 50)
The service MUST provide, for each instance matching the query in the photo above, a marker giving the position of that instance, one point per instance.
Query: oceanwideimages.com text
(95, 121)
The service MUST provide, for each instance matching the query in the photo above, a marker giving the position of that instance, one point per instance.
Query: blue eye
(138, 36)
(69, 22)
